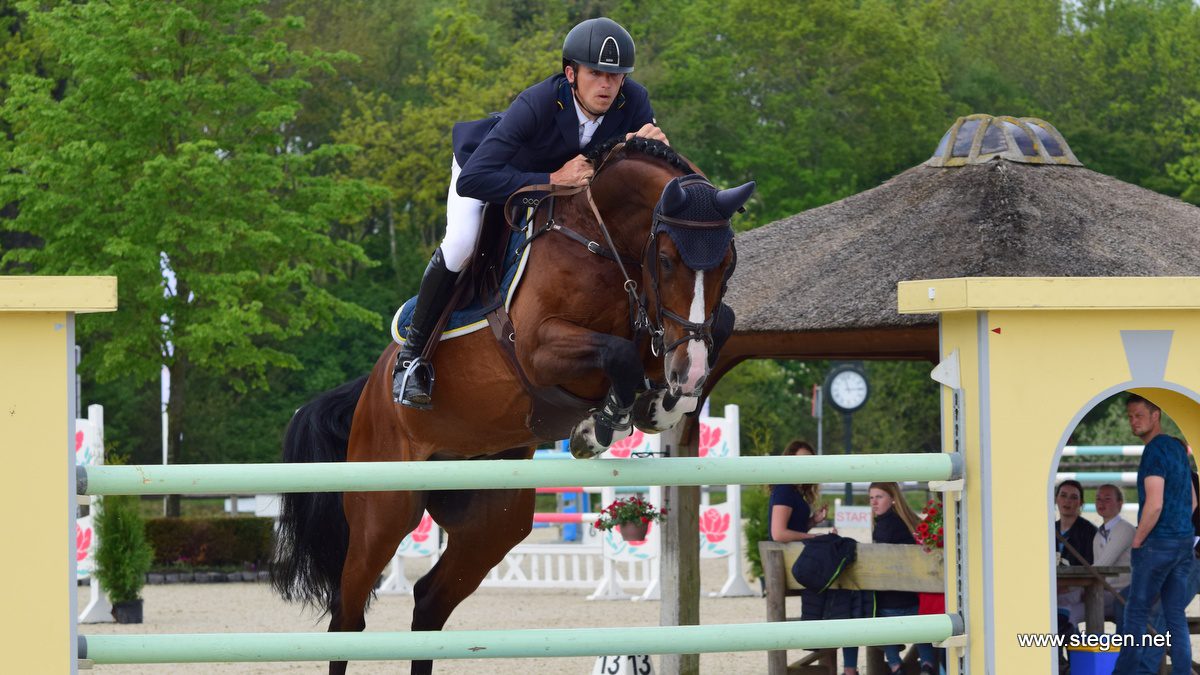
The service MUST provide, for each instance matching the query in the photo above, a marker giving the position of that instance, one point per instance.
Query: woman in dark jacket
(894, 523)
(794, 510)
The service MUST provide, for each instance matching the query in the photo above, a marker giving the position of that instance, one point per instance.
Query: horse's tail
(312, 538)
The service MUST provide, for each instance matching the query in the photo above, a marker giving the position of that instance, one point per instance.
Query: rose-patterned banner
(88, 449)
(620, 550)
(636, 442)
(717, 534)
(422, 541)
(85, 547)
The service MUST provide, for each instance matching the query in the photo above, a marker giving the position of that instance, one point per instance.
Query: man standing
(1162, 544)
(1112, 546)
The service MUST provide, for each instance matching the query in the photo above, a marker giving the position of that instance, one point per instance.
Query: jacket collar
(568, 120)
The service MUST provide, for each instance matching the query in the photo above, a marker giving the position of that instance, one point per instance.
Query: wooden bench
(890, 567)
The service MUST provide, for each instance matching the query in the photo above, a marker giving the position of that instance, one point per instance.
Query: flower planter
(128, 612)
(633, 531)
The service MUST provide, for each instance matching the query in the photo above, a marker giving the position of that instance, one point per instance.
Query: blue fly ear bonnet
(696, 217)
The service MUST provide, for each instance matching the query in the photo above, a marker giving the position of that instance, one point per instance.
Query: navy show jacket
(536, 135)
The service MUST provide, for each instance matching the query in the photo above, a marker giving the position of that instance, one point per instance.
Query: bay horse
(574, 324)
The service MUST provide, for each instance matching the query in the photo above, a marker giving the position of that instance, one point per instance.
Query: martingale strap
(554, 411)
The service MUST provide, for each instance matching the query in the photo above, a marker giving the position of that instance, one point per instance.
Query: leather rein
(639, 318)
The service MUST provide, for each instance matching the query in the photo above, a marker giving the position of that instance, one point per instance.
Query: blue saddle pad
(472, 317)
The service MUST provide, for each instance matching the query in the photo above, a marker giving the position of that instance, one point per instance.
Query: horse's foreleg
(567, 352)
(378, 523)
(482, 526)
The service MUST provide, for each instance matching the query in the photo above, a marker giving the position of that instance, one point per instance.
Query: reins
(639, 317)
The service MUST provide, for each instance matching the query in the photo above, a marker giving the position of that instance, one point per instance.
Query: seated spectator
(894, 523)
(793, 512)
(1079, 533)
(1112, 545)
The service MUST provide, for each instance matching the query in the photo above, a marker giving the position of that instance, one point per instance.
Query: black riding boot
(412, 380)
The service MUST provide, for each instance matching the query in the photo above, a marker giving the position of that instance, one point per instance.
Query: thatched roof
(835, 268)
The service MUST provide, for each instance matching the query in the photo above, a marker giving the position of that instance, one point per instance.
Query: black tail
(312, 538)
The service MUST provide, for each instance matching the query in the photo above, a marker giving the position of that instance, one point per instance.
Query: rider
(540, 139)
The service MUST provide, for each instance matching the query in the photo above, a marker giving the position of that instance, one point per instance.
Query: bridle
(640, 319)
(691, 331)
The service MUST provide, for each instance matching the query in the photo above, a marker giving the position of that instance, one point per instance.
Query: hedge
(211, 541)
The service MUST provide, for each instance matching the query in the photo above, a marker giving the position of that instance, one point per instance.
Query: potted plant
(755, 502)
(929, 536)
(123, 555)
(631, 516)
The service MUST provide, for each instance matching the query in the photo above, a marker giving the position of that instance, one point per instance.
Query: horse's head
(687, 262)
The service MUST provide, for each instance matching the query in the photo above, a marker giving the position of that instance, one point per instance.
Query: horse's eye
(664, 263)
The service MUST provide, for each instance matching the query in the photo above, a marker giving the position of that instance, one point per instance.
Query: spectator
(1111, 546)
(1162, 554)
(894, 523)
(1079, 533)
(794, 511)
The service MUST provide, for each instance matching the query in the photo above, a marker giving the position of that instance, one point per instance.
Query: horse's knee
(621, 361)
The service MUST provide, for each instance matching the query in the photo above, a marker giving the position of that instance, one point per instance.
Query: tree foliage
(167, 162)
(270, 162)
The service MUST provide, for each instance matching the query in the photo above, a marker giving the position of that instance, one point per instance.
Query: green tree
(168, 155)
(406, 146)
(813, 100)
(1133, 68)
(1186, 171)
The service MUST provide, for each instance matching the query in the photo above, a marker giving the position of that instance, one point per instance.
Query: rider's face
(595, 89)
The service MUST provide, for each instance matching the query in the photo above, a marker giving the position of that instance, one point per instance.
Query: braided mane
(643, 146)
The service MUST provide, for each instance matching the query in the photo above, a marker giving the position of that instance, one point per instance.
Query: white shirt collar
(587, 127)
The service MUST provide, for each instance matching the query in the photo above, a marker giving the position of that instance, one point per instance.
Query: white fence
(602, 561)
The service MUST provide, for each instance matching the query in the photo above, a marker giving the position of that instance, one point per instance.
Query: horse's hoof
(658, 411)
(583, 441)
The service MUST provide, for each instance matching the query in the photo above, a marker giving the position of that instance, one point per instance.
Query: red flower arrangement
(631, 510)
(929, 530)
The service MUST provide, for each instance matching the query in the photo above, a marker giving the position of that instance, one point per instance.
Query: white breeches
(463, 219)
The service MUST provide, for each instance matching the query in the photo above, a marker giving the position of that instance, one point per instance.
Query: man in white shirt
(1112, 545)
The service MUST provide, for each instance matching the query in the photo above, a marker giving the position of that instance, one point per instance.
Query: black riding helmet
(601, 44)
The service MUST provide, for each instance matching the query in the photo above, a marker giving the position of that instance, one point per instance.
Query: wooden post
(772, 563)
(37, 487)
(679, 570)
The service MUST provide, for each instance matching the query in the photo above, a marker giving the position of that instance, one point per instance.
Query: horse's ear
(673, 198)
(729, 201)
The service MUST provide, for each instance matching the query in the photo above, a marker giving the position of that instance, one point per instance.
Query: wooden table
(1093, 591)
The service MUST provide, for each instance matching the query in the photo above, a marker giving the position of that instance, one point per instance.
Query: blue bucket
(1092, 661)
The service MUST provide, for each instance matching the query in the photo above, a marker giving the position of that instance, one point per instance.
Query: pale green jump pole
(508, 474)
(505, 644)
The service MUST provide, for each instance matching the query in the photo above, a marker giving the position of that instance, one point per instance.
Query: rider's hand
(649, 131)
(578, 171)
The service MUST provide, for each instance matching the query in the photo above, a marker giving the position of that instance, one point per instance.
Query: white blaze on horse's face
(688, 363)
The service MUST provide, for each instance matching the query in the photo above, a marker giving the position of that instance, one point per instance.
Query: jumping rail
(498, 644)
(508, 474)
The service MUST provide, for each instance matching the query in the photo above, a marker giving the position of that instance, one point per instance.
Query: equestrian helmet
(601, 44)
